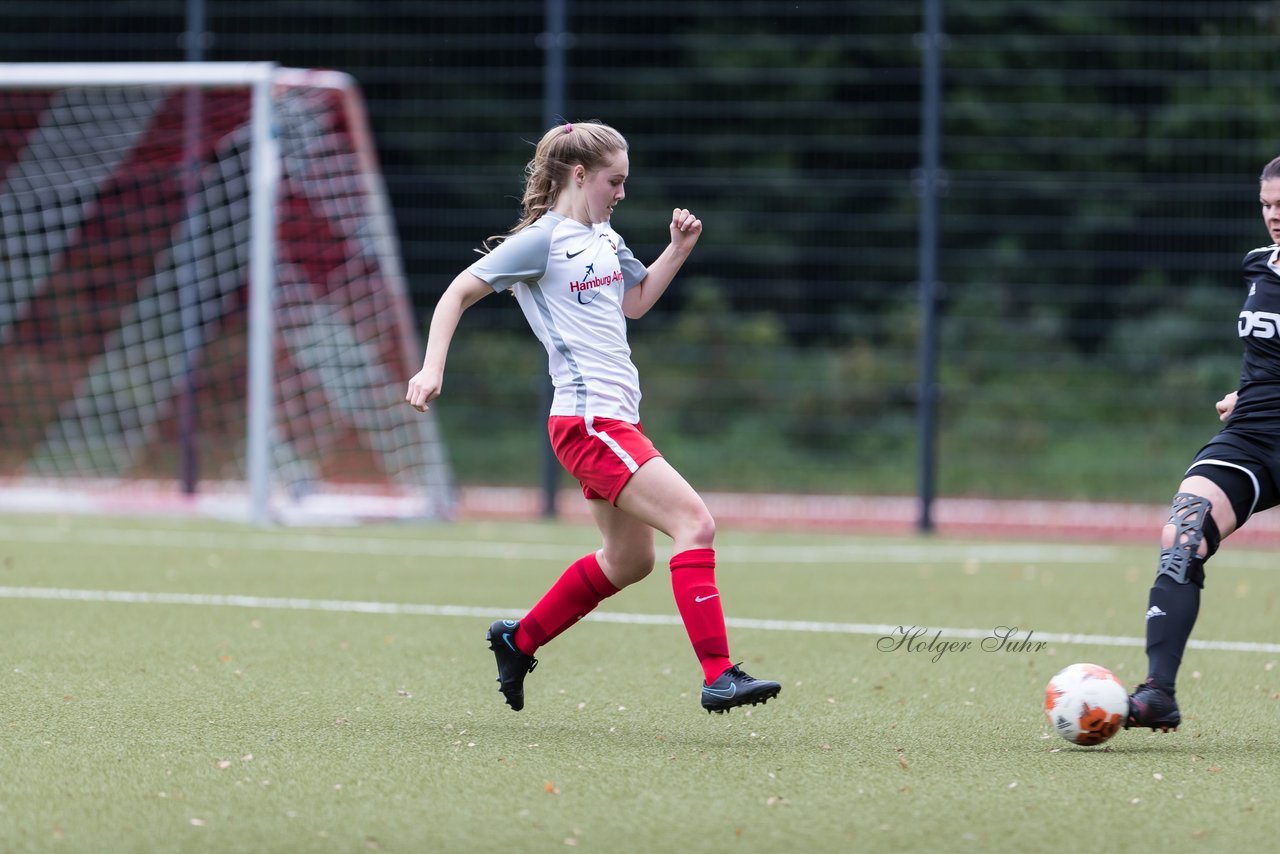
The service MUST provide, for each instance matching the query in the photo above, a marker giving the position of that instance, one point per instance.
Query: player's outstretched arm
(685, 230)
(466, 290)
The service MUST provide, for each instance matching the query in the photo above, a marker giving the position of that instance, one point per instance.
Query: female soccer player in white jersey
(1232, 477)
(578, 283)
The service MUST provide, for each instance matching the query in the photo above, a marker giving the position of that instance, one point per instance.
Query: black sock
(1171, 615)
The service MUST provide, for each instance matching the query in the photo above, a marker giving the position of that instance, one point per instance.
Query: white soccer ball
(1086, 703)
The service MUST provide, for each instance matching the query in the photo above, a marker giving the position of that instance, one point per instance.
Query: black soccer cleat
(1152, 706)
(512, 663)
(735, 688)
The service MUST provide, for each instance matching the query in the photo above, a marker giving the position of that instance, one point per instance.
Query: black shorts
(1245, 465)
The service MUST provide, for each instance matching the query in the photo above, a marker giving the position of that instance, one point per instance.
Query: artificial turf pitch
(183, 686)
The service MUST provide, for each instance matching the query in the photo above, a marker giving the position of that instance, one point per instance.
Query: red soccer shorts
(602, 453)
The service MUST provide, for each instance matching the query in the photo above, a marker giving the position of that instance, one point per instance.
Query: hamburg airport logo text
(586, 289)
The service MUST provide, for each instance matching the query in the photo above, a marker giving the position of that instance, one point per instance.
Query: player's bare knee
(626, 567)
(701, 529)
(640, 566)
(1188, 539)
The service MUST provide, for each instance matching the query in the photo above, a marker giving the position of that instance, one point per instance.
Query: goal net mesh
(124, 294)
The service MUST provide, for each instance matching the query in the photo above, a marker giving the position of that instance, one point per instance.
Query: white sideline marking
(859, 552)
(357, 607)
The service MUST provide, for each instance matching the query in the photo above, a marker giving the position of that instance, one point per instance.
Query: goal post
(202, 304)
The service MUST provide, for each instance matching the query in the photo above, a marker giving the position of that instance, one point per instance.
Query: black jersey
(1259, 328)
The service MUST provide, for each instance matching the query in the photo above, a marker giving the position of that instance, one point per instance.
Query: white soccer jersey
(569, 279)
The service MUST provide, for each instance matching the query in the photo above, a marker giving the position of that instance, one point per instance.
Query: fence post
(555, 43)
(927, 184)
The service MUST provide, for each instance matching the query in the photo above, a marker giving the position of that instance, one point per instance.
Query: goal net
(202, 306)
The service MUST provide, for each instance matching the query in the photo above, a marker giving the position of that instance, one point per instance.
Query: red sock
(693, 581)
(580, 589)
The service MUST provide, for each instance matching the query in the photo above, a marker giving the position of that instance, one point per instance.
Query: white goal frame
(264, 180)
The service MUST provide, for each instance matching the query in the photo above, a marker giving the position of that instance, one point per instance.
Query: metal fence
(1098, 164)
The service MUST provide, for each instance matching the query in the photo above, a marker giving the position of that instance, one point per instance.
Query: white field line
(895, 632)
(860, 552)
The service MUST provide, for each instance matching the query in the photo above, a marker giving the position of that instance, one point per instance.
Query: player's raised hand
(424, 388)
(685, 228)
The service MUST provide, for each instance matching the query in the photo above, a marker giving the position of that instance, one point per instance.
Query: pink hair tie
(568, 128)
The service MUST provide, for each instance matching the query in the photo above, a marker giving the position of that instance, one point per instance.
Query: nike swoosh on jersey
(705, 598)
(571, 255)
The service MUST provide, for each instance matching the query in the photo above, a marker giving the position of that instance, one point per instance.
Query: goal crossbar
(32, 75)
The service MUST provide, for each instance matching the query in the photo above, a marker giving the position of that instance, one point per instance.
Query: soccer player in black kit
(1234, 476)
